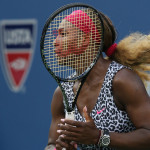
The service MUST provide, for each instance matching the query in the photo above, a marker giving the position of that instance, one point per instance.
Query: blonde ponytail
(134, 51)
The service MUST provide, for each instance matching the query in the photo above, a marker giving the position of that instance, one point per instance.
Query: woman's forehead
(66, 25)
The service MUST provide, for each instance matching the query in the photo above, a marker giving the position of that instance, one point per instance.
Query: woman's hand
(60, 144)
(79, 132)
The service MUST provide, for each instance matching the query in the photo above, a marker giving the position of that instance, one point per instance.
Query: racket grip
(70, 115)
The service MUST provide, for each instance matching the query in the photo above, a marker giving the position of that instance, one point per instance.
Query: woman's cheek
(68, 46)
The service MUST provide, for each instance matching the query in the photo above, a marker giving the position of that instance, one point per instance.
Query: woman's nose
(56, 42)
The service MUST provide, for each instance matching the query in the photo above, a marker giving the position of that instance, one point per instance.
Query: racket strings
(68, 58)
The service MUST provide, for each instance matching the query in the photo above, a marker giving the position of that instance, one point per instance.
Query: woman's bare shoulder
(128, 87)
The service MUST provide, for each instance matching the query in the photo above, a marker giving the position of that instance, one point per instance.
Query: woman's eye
(63, 33)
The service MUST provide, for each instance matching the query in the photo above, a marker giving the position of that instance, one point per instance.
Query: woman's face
(70, 40)
(66, 42)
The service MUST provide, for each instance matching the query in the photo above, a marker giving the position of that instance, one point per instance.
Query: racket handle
(70, 115)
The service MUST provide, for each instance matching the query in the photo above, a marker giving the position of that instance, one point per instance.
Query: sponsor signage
(18, 38)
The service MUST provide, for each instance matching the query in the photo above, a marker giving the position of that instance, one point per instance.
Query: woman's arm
(57, 110)
(129, 90)
(55, 140)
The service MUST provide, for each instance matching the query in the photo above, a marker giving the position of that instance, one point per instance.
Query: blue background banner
(25, 116)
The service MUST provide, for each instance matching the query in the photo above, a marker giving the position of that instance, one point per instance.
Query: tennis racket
(71, 43)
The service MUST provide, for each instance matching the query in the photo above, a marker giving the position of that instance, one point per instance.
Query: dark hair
(110, 34)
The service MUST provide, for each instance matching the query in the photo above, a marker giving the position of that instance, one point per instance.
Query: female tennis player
(113, 107)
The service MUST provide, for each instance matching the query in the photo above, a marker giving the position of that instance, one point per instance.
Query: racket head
(72, 62)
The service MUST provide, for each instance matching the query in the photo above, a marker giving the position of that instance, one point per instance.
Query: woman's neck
(98, 71)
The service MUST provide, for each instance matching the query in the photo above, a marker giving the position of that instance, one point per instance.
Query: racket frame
(57, 78)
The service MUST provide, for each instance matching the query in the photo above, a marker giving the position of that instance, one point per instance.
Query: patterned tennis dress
(111, 117)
